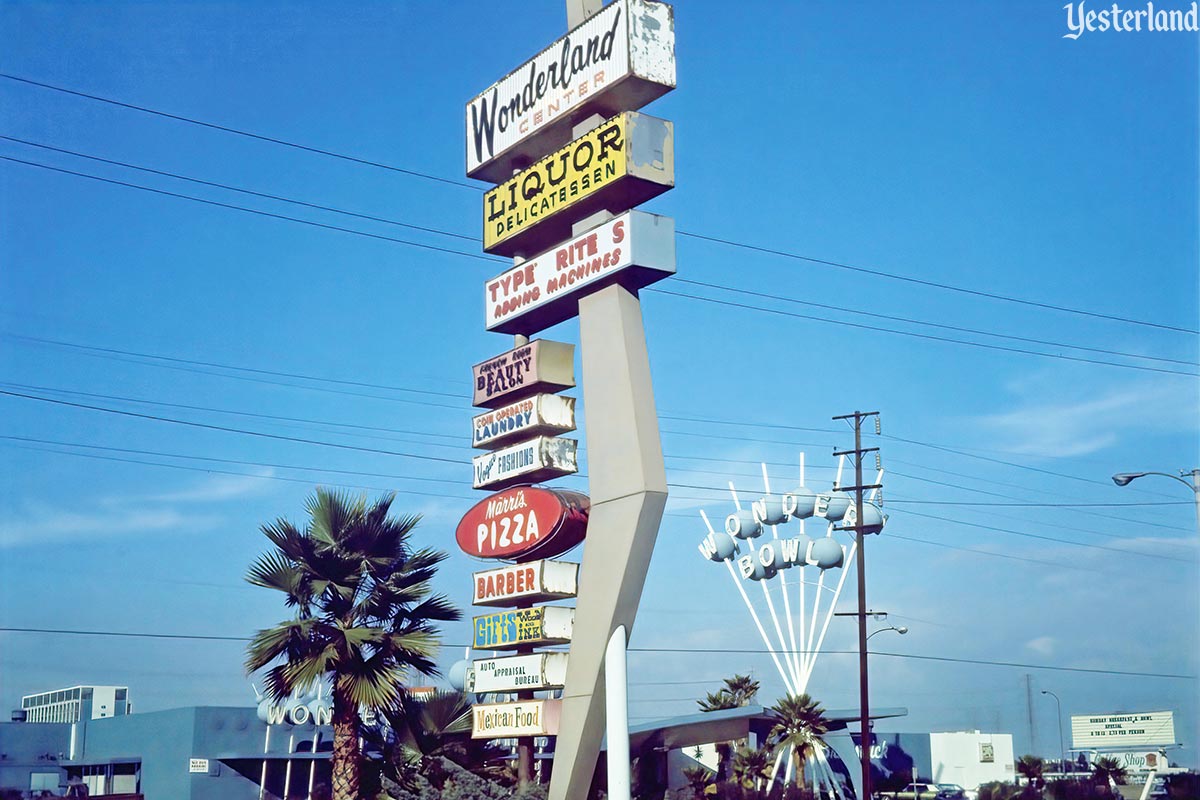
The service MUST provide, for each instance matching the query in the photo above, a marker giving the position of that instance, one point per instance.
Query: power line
(226, 129)
(916, 335)
(702, 237)
(255, 211)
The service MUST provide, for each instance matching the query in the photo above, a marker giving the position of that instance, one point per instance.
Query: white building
(971, 758)
(76, 703)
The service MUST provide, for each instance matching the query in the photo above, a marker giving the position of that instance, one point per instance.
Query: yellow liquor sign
(623, 162)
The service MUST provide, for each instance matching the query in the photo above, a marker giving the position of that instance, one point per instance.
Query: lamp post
(1062, 750)
(903, 629)
(1125, 478)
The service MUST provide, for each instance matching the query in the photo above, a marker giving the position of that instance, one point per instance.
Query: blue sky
(962, 144)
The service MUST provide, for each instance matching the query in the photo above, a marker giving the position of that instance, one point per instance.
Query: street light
(1125, 478)
(1062, 750)
(901, 630)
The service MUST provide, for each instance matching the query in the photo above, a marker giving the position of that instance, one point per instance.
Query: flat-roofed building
(76, 703)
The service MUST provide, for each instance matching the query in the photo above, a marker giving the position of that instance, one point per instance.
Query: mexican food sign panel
(510, 720)
(526, 673)
(1100, 731)
(540, 366)
(622, 162)
(520, 627)
(618, 60)
(534, 582)
(542, 414)
(523, 524)
(539, 459)
(634, 249)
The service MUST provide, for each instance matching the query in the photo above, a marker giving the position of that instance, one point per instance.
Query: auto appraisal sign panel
(621, 58)
(509, 720)
(526, 673)
(634, 249)
(624, 161)
(1100, 731)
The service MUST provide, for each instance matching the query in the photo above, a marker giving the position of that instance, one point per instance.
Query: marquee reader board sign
(619, 59)
(540, 366)
(542, 414)
(521, 627)
(524, 523)
(624, 161)
(539, 459)
(534, 582)
(510, 720)
(526, 673)
(1100, 731)
(635, 249)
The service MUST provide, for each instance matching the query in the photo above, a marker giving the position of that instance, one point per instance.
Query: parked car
(927, 791)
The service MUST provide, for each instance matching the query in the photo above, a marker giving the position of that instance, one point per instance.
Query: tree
(698, 778)
(720, 700)
(800, 722)
(364, 618)
(1032, 767)
(751, 768)
(1107, 771)
(741, 689)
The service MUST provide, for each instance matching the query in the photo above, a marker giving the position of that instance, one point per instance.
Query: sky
(945, 212)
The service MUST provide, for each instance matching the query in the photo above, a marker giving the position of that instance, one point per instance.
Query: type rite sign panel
(521, 627)
(635, 249)
(618, 60)
(539, 459)
(535, 582)
(540, 366)
(540, 415)
(624, 161)
(1100, 731)
(510, 720)
(527, 673)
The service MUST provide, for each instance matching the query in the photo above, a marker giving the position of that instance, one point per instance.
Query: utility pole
(858, 488)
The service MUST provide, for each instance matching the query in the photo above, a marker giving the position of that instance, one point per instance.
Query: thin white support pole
(849, 560)
(841, 464)
(262, 784)
(775, 769)
(810, 657)
(779, 632)
(761, 632)
(793, 659)
(312, 773)
(616, 707)
(287, 770)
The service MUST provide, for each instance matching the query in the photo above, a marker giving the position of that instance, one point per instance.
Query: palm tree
(742, 689)
(751, 767)
(1032, 767)
(1106, 770)
(364, 614)
(720, 700)
(698, 778)
(800, 723)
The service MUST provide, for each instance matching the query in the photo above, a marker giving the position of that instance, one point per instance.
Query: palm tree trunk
(347, 759)
(798, 756)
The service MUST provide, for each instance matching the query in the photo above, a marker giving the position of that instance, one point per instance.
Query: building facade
(76, 703)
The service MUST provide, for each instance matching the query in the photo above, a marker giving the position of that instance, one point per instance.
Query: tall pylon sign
(563, 139)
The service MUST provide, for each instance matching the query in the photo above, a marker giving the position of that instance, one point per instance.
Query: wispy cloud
(1042, 645)
(1079, 419)
(44, 525)
(212, 489)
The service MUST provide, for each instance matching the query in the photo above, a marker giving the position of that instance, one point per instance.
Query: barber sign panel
(534, 582)
(635, 249)
(619, 59)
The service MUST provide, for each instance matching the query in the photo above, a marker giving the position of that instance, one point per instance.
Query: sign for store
(534, 582)
(539, 459)
(524, 523)
(510, 720)
(624, 161)
(540, 366)
(621, 58)
(1099, 731)
(540, 415)
(527, 673)
(198, 765)
(635, 249)
(520, 627)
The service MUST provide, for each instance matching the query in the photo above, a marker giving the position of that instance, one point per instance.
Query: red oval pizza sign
(524, 523)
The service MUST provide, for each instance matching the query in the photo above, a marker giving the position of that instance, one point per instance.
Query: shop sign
(527, 673)
(621, 58)
(520, 627)
(539, 459)
(524, 523)
(509, 720)
(534, 582)
(624, 161)
(542, 414)
(1099, 731)
(634, 249)
(540, 366)
(198, 765)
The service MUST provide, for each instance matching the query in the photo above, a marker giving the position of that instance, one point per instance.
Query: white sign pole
(616, 712)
